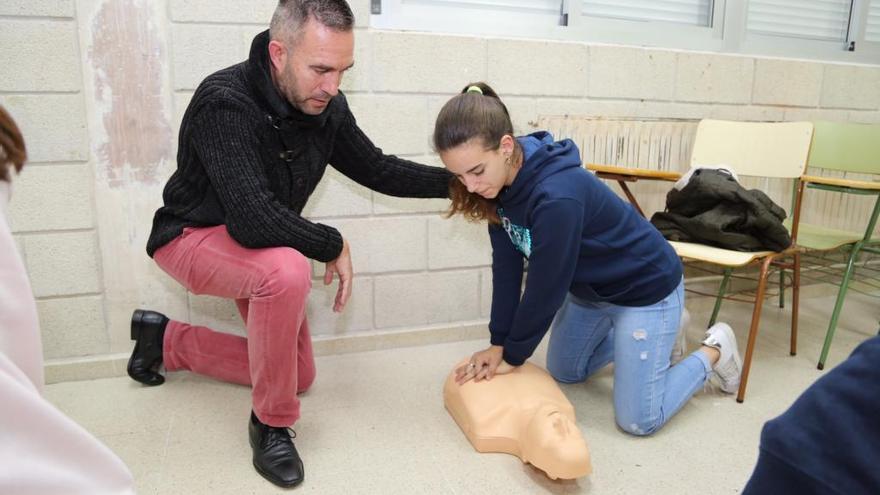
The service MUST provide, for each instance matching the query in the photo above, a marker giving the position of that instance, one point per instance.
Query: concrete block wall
(99, 88)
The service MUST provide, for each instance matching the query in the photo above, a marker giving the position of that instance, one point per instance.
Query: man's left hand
(342, 267)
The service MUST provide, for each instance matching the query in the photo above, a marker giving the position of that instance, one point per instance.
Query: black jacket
(713, 208)
(249, 160)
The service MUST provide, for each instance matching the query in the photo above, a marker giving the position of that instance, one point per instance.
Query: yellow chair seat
(716, 255)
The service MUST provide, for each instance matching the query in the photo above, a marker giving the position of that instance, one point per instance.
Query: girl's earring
(507, 160)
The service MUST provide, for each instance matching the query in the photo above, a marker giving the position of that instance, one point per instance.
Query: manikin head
(474, 138)
(553, 443)
(311, 46)
(523, 413)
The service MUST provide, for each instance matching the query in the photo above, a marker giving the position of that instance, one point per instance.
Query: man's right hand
(341, 266)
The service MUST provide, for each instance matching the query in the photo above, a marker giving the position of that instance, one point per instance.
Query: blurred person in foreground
(42, 451)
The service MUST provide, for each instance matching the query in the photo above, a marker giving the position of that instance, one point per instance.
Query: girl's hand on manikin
(483, 365)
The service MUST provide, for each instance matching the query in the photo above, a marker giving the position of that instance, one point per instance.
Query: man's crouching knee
(288, 271)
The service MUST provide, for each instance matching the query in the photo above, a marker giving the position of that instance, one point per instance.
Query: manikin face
(553, 443)
(309, 72)
(484, 172)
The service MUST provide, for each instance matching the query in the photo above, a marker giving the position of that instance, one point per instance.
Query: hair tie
(474, 89)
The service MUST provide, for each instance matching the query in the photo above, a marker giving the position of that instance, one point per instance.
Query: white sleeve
(19, 327)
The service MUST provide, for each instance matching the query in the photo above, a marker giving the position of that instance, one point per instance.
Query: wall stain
(127, 54)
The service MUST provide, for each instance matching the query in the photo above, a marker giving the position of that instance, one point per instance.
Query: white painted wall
(99, 87)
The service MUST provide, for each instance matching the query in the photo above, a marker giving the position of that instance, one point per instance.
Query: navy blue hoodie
(828, 442)
(578, 236)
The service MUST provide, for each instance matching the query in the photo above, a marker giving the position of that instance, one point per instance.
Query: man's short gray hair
(291, 15)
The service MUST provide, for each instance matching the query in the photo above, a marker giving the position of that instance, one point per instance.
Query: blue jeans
(586, 336)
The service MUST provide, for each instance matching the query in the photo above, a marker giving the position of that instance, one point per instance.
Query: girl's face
(484, 172)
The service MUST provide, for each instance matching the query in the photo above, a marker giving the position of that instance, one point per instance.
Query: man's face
(308, 73)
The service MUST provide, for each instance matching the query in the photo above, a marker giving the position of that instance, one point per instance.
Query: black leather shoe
(147, 330)
(275, 457)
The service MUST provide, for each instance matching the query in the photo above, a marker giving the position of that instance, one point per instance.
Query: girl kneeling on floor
(607, 280)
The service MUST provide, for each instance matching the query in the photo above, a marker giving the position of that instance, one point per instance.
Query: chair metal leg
(838, 305)
(781, 288)
(795, 301)
(721, 292)
(753, 329)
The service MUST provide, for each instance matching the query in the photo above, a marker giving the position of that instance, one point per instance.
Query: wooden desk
(626, 174)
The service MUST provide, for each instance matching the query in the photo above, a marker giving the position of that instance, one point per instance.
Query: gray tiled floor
(374, 422)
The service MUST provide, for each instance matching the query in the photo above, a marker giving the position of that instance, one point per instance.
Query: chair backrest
(846, 147)
(761, 149)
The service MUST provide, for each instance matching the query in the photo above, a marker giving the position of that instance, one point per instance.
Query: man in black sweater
(254, 143)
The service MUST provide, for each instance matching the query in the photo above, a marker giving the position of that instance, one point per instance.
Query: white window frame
(751, 43)
(646, 33)
(870, 49)
(727, 34)
(397, 14)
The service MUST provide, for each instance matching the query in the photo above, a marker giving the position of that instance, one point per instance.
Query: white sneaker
(680, 347)
(729, 365)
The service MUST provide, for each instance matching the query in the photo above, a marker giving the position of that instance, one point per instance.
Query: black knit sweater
(249, 160)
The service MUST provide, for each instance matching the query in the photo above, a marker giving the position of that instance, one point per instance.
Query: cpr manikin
(522, 413)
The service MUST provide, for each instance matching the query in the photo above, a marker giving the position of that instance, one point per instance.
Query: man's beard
(286, 85)
(288, 92)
